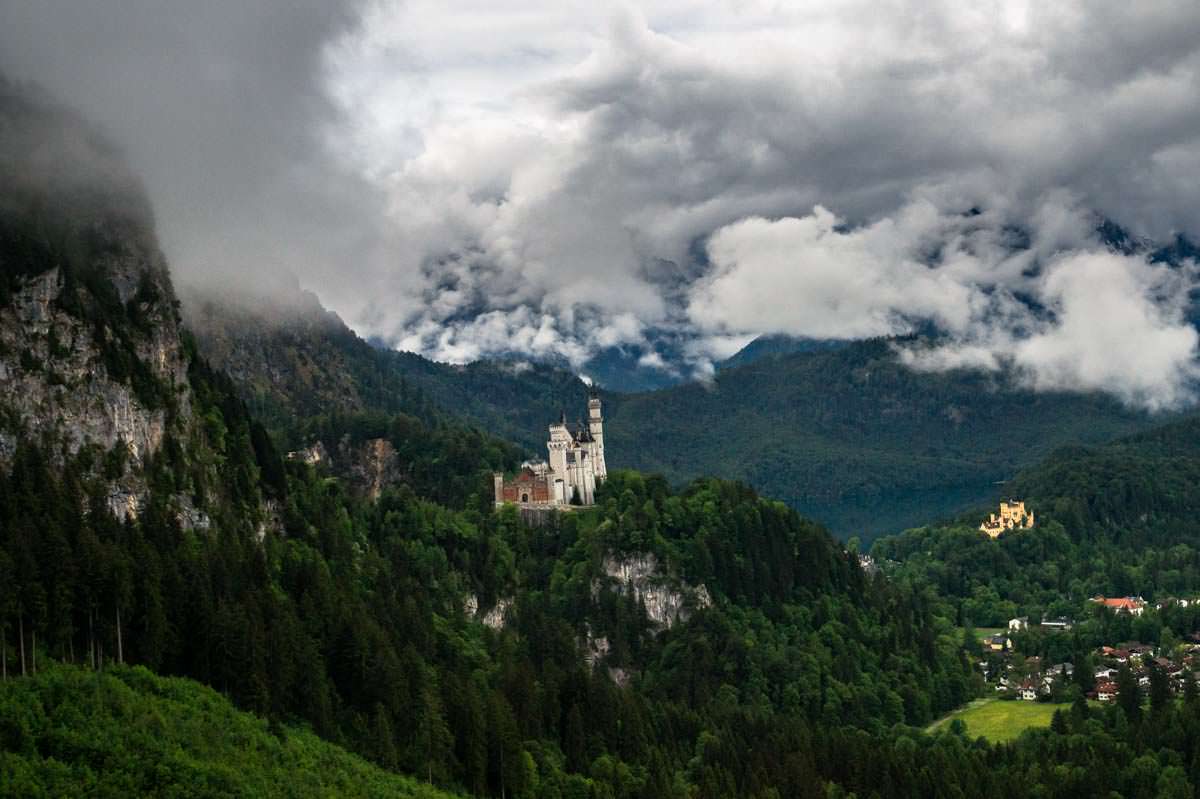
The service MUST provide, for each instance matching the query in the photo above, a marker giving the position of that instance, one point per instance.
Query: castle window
(524, 497)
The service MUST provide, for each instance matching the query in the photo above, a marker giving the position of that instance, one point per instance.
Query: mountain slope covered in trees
(293, 359)
(602, 653)
(1117, 519)
(854, 438)
(845, 434)
(669, 642)
(125, 732)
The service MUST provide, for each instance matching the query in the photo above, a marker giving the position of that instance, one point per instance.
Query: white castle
(575, 468)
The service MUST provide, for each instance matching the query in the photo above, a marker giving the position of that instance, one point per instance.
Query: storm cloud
(477, 178)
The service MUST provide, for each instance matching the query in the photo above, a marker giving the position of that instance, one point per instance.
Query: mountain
(93, 367)
(840, 431)
(126, 732)
(601, 652)
(292, 359)
(1140, 490)
(1117, 519)
(772, 346)
(854, 438)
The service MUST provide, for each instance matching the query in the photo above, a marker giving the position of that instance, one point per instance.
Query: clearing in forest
(1000, 720)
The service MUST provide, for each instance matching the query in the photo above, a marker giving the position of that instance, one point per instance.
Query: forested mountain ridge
(846, 434)
(292, 359)
(692, 643)
(854, 438)
(428, 632)
(125, 732)
(1116, 519)
(369, 416)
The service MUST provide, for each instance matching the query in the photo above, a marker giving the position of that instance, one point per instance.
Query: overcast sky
(467, 178)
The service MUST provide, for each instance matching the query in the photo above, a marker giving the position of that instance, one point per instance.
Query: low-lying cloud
(469, 181)
(1059, 313)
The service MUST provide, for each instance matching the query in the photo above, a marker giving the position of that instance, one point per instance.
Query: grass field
(984, 632)
(999, 720)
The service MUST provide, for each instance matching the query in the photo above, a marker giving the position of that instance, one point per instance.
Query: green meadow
(1000, 720)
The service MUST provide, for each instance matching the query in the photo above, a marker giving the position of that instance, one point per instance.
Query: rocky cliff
(91, 358)
(666, 601)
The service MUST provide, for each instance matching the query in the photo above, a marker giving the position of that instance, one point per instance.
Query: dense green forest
(686, 639)
(123, 731)
(856, 439)
(351, 620)
(1117, 519)
(846, 435)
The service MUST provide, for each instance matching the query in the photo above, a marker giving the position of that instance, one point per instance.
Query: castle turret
(559, 443)
(596, 428)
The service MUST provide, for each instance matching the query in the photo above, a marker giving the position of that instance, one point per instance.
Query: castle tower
(559, 443)
(596, 428)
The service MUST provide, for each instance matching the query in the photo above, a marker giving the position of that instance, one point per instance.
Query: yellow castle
(1013, 516)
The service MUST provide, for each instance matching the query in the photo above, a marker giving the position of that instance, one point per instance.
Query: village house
(1064, 670)
(1058, 624)
(1028, 691)
(1106, 691)
(1118, 655)
(997, 643)
(1135, 606)
(1018, 624)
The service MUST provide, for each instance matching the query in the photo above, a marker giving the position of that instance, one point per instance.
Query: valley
(928, 534)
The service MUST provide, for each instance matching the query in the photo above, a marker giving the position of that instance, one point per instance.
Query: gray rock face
(666, 603)
(55, 385)
(53, 376)
(369, 466)
(373, 466)
(91, 357)
(495, 618)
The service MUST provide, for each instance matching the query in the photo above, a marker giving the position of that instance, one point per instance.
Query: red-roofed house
(1135, 606)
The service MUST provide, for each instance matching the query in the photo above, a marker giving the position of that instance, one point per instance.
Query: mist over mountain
(638, 190)
(606, 403)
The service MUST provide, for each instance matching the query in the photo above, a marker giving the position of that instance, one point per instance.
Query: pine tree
(1129, 694)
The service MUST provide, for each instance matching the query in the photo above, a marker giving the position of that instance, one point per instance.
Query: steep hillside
(845, 434)
(125, 732)
(1142, 489)
(92, 365)
(292, 359)
(853, 438)
(366, 415)
(1117, 519)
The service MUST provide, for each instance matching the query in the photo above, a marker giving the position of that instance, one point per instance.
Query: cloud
(803, 276)
(499, 178)
(219, 106)
(1117, 327)
(1112, 323)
